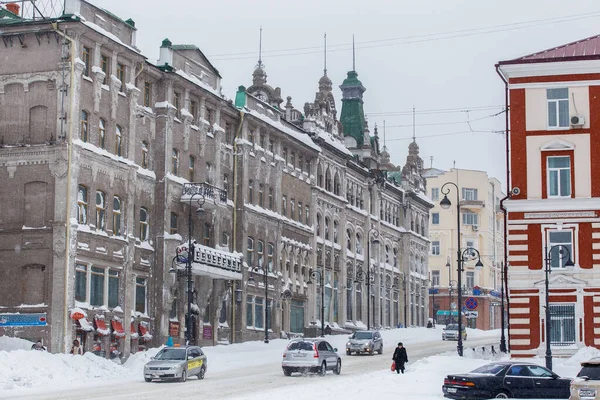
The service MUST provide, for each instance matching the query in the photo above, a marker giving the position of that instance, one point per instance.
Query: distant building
(482, 228)
(553, 210)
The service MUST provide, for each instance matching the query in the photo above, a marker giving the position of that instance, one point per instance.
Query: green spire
(166, 43)
(353, 115)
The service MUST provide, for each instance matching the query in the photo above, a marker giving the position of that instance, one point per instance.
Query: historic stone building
(114, 167)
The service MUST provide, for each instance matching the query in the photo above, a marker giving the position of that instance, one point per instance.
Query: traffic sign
(472, 314)
(471, 303)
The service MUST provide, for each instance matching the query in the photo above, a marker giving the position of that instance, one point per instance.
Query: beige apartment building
(481, 228)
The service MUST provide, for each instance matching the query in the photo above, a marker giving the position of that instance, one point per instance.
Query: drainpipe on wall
(66, 337)
(508, 195)
(240, 103)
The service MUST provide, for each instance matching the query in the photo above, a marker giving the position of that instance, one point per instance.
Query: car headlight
(175, 367)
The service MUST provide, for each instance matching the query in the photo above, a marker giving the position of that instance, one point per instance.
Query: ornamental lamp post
(562, 249)
(314, 274)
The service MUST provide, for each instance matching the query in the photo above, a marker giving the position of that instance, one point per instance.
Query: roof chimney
(13, 8)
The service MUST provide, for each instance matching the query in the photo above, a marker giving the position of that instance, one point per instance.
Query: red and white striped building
(553, 152)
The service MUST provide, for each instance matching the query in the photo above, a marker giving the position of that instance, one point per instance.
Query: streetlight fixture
(445, 203)
(562, 249)
(314, 274)
(252, 281)
(196, 193)
(502, 322)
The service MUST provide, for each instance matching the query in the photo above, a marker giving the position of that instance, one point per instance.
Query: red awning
(101, 326)
(84, 324)
(118, 328)
(143, 329)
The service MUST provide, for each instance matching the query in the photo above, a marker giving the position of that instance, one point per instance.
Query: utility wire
(436, 111)
(409, 39)
(448, 123)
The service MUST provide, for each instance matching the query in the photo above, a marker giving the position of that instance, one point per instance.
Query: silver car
(176, 363)
(450, 332)
(310, 355)
(364, 342)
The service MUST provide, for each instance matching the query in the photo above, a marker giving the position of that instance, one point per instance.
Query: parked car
(450, 332)
(310, 355)
(503, 380)
(586, 386)
(364, 342)
(176, 363)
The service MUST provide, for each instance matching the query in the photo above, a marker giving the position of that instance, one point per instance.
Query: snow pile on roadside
(29, 368)
(10, 343)
(135, 363)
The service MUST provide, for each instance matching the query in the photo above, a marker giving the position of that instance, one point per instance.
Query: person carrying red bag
(400, 358)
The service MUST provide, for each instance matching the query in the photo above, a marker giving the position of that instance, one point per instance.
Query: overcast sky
(433, 54)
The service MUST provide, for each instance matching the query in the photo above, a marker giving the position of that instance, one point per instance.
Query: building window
(121, 76)
(469, 218)
(307, 209)
(194, 111)
(301, 163)
(470, 279)
(145, 149)
(307, 167)
(250, 192)
(260, 253)
(82, 204)
(558, 108)
(559, 176)
(435, 218)
(228, 133)
(140, 295)
(270, 255)
(557, 241)
(562, 324)
(117, 215)
(435, 194)
(85, 125)
(251, 137)
(261, 200)
(175, 161)
(97, 286)
(326, 228)
(144, 223)
(173, 227)
(349, 239)
(335, 231)
(86, 60)
(255, 312)
(113, 288)
(272, 146)
(469, 194)
(250, 251)
(284, 154)
(102, 133)
(435, 248)
(261, 140)
(435, 278)
(147, 93)
(358, 245)
(176, 101)
(105, 66)
(191, 168)
(283, 205)
(206, 234)
(81, 282)
(119, 141)
(270, 198)
(225, 239)
(292, 209)
(318, 224)
(395, 257)
(100, 210)
(300, 211)
(293, 159)
(226, 183)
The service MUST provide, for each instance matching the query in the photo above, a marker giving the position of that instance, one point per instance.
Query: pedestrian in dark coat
(400, 358)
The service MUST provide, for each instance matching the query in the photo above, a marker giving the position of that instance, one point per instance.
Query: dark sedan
(504, 380)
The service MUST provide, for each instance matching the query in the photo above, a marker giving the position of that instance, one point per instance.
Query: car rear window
(308, 346)
(592, 371)
(491, 369)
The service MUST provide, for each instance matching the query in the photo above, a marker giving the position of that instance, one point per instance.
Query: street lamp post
(314, 274)
(445, 204)
(375, 233)
(433, 310)
(562, 249)
(253, 281)
(502, 322)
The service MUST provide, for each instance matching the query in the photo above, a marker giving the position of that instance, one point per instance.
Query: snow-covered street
(252, 370)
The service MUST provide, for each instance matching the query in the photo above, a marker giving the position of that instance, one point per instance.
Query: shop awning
(144, 331)
(134, 334)
(118, 328)
(447, 312)
(101, 327)
(85, 325)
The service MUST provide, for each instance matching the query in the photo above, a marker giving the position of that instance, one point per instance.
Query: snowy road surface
(236, 374)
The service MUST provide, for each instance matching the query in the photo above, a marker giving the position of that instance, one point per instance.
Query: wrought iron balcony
(208, 261)
(210, 193)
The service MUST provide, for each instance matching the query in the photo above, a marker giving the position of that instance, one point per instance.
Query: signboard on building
(36, 319)
(207, 332)
(173, 329)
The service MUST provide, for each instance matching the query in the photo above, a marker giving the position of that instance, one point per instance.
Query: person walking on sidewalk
(400, 358)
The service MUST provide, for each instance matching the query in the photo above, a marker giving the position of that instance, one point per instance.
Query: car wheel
(287, 372)
(380, 351)
(338, 367)
(348, 352)
(323, 369)
(183, 376)
(502, 395)
(443, 338)
(201, 373)
(148, 379)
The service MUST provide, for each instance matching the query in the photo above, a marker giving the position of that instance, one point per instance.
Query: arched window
(359, 248)
(387, 254)
(318, 224)
(119, 141)
(335, 232)
(102, 133)
(174, 224)
(326, 228)
(337, 185)
(328, 180)
(250, 191)
(395, 257)
(100, 210)
(175, 162)
(250, 251)
(261, 189)
(349, 239)
(270, 198)
(117, 215)
(145, 149)
(319, 176)
(226, 183)
(191, 168)
(82, 204)
(144, 222)
(85, 126)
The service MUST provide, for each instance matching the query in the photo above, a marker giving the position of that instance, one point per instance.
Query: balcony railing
(217, 258)
(209, 192)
